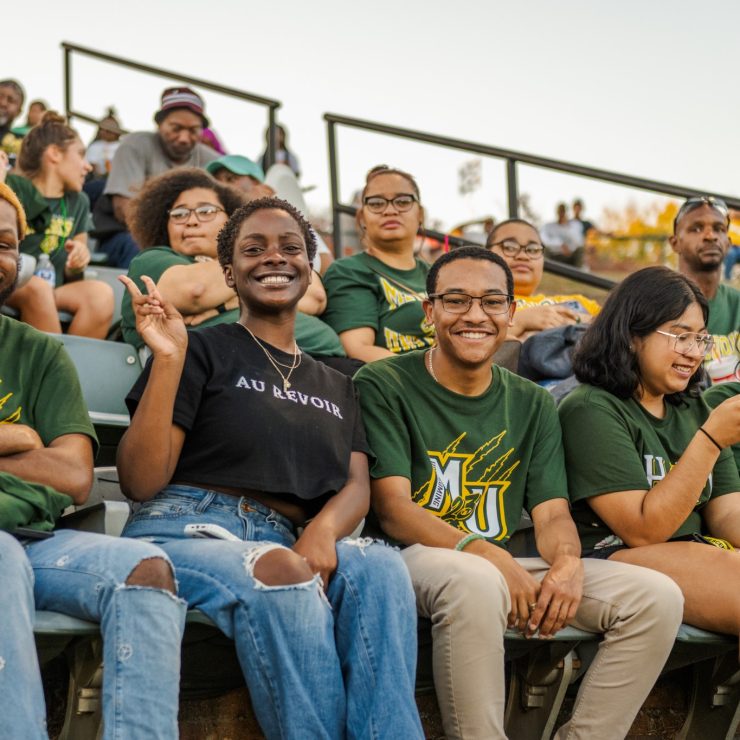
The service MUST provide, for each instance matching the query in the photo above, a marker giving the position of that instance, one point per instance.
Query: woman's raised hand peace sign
(158, 322)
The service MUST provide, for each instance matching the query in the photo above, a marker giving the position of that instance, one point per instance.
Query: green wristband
(465, 541)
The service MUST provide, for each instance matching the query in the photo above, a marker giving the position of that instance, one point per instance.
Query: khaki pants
(467, 599)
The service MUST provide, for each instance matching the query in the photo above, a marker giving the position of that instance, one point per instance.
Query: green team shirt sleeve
(59, 408)
(352, 300)
(546, 477)
(714, 397)
(600, 454)
(387, 430)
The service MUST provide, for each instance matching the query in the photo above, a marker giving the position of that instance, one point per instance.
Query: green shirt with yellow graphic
(714, 397)
(612, 444)
(51, 221)
(724, 323)
(474, 461)
(38, 388)
(362, 292)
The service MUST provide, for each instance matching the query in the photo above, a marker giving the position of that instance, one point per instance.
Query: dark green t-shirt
(39, 388)
(362, 291)
(472, 461)
(616, 445)
(51, 221)
(313, 336)
(714, 397)
(724, 323)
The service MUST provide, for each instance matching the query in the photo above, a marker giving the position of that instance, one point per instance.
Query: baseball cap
(180, 97)
(237, 164)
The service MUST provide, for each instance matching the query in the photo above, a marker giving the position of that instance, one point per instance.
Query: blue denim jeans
(84, 575)
(23, 713)
(320, 666)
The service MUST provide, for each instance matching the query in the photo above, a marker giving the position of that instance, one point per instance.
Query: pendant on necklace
(286, 385)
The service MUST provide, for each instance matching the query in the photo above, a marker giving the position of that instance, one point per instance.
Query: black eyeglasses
(697, 202)
(206, 212)
(492, 304)
(511, 248)
(402, 202)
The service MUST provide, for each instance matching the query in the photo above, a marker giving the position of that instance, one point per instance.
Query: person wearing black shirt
(235, 427)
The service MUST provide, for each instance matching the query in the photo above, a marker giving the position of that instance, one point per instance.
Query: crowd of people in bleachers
(288, 398)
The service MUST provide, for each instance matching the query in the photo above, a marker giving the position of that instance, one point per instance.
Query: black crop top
(244, 431)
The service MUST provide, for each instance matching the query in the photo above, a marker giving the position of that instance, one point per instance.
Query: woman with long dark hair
(261, 448)
(649, 467)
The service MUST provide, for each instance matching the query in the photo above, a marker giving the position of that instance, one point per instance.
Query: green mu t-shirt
(473, 461)
(724, 323)
(51, 221)
(313, 336)
(614, 445)
(362, 292)
(714, 397)
(39, 388)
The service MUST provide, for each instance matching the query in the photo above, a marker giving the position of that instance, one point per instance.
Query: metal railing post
(512, 188)
(334, 185)
(67, 82)
(271, 137)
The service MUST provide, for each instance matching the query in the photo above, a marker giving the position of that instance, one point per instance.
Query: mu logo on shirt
(467, 489)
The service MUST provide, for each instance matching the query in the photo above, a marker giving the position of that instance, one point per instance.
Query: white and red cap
(180, 98)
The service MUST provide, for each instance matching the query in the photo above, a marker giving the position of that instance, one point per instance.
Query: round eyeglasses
(512, 248)
(377, 203)
(684, 343)
(206, 212)
(492, 304)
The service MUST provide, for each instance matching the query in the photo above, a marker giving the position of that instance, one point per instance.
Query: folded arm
(66, 464)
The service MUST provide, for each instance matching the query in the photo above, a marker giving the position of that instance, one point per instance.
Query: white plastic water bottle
(45, 270)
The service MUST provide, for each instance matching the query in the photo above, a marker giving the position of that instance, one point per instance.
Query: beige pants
(467, 599)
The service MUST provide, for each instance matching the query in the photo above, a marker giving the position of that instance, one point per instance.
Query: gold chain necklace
(297, 356)
(429, 364)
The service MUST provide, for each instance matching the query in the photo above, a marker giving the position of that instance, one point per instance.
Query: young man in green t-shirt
(701, 241)
(461, 446)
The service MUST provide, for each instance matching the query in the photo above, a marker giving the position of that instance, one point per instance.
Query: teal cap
(238, 165)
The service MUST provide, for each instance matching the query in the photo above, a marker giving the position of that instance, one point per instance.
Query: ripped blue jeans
(84, 575)
(320, 667)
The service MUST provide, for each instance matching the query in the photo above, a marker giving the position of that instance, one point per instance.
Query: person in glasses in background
(461, 445)
(518, 242)
(650, 470)
(701, 241)
(374, 299)
(176, 218)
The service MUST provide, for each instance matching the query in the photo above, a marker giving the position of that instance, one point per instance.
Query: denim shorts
(164, 517)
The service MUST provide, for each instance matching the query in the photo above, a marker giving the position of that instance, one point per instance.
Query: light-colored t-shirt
(141, 156)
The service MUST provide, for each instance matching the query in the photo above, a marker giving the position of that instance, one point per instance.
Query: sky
(640, 87)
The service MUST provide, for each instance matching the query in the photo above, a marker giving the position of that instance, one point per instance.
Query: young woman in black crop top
(235, 427)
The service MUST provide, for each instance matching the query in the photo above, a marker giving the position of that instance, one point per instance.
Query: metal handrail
(69, 49)
(512, 159)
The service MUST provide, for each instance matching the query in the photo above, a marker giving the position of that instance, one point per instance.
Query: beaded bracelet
(711, 438)
(465, 541)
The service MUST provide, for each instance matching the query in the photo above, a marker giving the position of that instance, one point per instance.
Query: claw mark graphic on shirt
(467, 489)
(14, 416)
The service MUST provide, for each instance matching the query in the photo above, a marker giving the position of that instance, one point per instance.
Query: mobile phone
(30, 534)
(210, 532)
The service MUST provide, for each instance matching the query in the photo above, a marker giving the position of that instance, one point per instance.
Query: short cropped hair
(468, 253)
(635, 308)
(9, 196)
(150, 207)
(227, 235)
